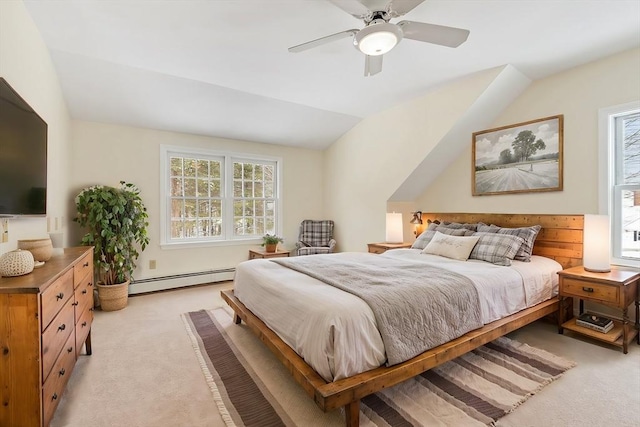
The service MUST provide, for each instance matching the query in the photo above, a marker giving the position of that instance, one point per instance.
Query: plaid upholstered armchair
(316, 237)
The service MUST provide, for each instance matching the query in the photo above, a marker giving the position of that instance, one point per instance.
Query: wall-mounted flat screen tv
(23, 156)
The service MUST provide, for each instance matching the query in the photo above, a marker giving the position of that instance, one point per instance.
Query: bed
(333, 382)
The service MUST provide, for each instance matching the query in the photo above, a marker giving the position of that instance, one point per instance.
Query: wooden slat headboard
(560, 238)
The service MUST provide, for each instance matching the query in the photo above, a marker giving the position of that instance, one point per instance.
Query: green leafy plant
(116, 219)
(271, 239)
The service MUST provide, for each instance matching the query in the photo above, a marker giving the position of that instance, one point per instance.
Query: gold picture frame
(521, 158)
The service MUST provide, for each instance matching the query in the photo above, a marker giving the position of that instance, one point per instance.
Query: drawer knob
(90, 284)
(70, 349)
(584, 288)
(84, 324)
(60, 295)
(55, 396)
(62, 327)
(74, 303)
(62, 372)
(86, 264)
(84, 291)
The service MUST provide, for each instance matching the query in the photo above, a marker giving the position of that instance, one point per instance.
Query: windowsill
(625, 263)
(209, 244)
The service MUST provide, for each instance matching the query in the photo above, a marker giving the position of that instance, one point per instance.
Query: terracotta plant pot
(113, 297)
(271, 247)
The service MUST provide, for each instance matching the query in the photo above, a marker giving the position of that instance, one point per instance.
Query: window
(621, 130)
(212, 197)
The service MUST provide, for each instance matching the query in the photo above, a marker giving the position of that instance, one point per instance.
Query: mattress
(335, 332)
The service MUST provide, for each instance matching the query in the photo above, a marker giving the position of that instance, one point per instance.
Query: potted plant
(270, 242)
(116, 220)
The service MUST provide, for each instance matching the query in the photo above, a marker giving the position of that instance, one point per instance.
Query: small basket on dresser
(41, 249)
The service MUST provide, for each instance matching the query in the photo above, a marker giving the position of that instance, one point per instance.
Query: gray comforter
(417, 307)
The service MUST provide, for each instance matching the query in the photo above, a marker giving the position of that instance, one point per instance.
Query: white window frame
(227, 158)
(609, 198)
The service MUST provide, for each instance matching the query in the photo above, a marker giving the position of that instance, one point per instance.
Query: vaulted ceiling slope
(222, 68)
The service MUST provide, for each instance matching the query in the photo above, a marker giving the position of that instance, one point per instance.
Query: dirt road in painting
(543, 175)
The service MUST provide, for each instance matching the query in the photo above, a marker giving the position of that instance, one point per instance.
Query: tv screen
(23, 156)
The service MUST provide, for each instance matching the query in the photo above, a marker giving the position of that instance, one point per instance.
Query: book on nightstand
(597, 323)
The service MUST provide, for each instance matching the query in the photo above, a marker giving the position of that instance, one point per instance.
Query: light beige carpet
(477, 388)
(144, 373)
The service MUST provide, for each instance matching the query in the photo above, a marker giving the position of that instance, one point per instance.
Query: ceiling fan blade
(431, 33)
(353, 7)
(401, 7)
(322, 40)
(372, 65)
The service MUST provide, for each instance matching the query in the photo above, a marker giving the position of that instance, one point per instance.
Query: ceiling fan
(379, 35)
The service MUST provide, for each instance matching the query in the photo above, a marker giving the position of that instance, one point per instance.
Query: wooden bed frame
(560, 238)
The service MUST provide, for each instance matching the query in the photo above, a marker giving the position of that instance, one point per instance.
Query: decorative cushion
(472, 227)
(456, 247)
(423, 239)
(528, 234)
(496, 248)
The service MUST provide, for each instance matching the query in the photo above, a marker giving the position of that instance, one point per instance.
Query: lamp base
(596, 270)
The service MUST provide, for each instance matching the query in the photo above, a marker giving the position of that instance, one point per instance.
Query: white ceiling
(222, 68)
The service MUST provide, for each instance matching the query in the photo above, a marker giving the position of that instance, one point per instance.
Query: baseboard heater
(174, 281)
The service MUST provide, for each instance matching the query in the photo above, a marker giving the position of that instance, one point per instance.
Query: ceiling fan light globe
(378, 43)
(378, 39)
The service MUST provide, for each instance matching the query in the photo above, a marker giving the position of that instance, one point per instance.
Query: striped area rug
(475, 389)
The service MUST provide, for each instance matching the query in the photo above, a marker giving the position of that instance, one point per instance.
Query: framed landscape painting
(521, 158)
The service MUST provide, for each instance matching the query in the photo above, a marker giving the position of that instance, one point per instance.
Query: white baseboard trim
(154, 284)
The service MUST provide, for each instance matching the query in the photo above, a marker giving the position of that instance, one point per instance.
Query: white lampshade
(394, 228)
(596, 243)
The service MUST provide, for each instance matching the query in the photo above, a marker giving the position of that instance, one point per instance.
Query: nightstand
(379, 248)
(617, 288)
(261, 253)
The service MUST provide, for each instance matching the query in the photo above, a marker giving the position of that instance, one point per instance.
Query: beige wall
(25, 63)
(578, 94)
(106, 154)
(367, 164)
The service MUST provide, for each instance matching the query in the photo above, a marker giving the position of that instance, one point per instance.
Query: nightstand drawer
(590, 290)
(373, 249)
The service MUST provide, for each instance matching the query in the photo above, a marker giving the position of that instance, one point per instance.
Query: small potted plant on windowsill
(270, 242)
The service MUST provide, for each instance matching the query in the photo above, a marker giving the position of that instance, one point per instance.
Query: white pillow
(456, 247)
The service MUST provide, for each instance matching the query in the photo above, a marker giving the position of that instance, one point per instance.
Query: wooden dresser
(45, 318)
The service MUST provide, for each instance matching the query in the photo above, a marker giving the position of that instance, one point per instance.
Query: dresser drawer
(54, 337)
(83, 327)
(55, 383)
(55, 297)
(83, 296)
(590, 290)
(82, 268)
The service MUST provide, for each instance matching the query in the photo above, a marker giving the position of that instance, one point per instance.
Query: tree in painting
(525, 145)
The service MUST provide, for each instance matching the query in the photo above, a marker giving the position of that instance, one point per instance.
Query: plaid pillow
(472, 227)
(423, 239)
(496, 248)
(528, 234)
